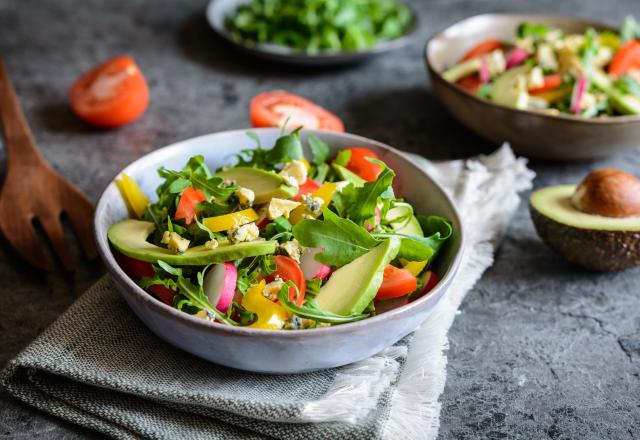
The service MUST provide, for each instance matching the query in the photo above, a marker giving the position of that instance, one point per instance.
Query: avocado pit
(595, 224)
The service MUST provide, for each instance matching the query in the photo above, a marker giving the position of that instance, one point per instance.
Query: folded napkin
(98, 366)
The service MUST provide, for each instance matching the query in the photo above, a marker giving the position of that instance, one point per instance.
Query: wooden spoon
(34, 192)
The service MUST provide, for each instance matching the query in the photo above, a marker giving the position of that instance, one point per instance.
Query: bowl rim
(435, 73)
(158, 306)
(284, 52)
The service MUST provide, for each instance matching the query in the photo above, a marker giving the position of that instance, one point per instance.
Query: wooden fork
(34, 192)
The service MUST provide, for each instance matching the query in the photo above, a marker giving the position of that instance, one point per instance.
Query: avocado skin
(602, 251)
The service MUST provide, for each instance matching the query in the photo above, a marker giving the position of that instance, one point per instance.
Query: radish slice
(579, 89)
(429, 281)
(220, 285)
(311, 267)
(376, 220)
(516, 57)
(484, 73)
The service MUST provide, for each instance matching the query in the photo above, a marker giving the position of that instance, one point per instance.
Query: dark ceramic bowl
(218, 10)
(273, 351)
(534, 134)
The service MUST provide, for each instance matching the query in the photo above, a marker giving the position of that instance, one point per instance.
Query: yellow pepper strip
(325, 192)
(225, 222)
(133, 196)
(271, 316)
(415, 267)
(306, 163)
(554, 95)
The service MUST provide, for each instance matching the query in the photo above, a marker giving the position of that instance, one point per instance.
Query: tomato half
(187, 205)
(396, 283)
(483, 48)
(111, 94)
(359, 164)
(273, 109)
(551, 82)
(306, 188)
(137, 269)
(626, 58)
(288, 270)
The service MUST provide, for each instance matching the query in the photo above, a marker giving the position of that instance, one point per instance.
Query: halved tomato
(482, 48)
(306, 188)
(137, 269)
(551, 82)
(111, 94)
(396, 283)
(274, 109)
(288, 270)
(187, 205)
(625, 59)
(470, 83)
(359, 164)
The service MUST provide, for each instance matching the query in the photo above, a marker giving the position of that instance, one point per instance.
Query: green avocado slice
(352, 287)
(348, 175)
(264, 184)
(130, 238)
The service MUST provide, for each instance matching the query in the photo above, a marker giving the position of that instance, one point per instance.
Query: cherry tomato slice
(187, 205)
(551, 82)
(273, 109)
(111, 94)
(288, 270)
(396, 283)
(306, 188)
(627, 58)
(358, 163)
(137, 269)
(483, 48)
(470, 83)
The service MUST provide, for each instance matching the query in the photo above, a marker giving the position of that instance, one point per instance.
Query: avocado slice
(352, 287)
(130, 238)
(625, 104)
(510, 90)
(399, 220)
(264, 184)
(591, 241)
(348, 175)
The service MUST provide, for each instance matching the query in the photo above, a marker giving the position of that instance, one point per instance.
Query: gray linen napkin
(98, 366)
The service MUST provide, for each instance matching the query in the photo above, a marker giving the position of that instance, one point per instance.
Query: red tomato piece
(626, 58)
(396, 283)
(137, 269)
(288, 270)
(483, 48)
(306, 188)
(111, 94)
(187, 205)
(470, 83)
(359, 164)
(551, 82)
(273, 109)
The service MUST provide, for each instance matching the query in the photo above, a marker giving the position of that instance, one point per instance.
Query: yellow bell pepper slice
(133, 196)
(415, 267)
(325, 192)
(271, 316)
(306, 163)
(225, 222)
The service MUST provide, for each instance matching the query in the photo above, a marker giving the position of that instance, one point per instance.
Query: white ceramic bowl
(290, 351)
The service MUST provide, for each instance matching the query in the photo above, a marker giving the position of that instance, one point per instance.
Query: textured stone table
(540, 349)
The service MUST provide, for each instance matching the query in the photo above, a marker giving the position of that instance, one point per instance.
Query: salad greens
(592, 74)
(269, 264)
(314, 26)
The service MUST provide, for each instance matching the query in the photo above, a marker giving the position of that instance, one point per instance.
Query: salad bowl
(559, 136)
(273, 351)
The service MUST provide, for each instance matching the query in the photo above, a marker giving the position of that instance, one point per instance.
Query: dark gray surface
(541, 349)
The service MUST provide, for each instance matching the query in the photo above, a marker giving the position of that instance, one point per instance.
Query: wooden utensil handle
(19, 142)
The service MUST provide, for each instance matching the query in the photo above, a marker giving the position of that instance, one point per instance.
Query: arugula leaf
(536, 30)
(313, 286)
(343, 157)
(286, 149)
(630, 29)
(311, 310)
(321, 172)
(627, 85)
(246, 317)
(278, 229)
(342, 240)
(319, 150)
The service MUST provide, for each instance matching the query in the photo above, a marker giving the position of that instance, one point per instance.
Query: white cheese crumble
(546, 57)
(174, 242)
(313, 204)
(278, 207)
(294, 173)
(293, 249)
(535, 78)
(248, 232)
(272, 289)
(245, 196)
(211, 244)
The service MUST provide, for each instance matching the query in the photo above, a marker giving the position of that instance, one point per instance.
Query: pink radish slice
(484, 73)
(389, 304)
(311, 267)
(429, 281)
(376, 221)
(220, 285)
(516, 57)
(579, 89)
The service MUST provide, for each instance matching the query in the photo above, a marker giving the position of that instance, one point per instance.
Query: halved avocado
(130, 238)
(264, 184)
(591, 241)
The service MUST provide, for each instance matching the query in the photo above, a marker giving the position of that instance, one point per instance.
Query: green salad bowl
(278, 351)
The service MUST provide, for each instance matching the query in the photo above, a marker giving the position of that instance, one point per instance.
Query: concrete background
(541, 349)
